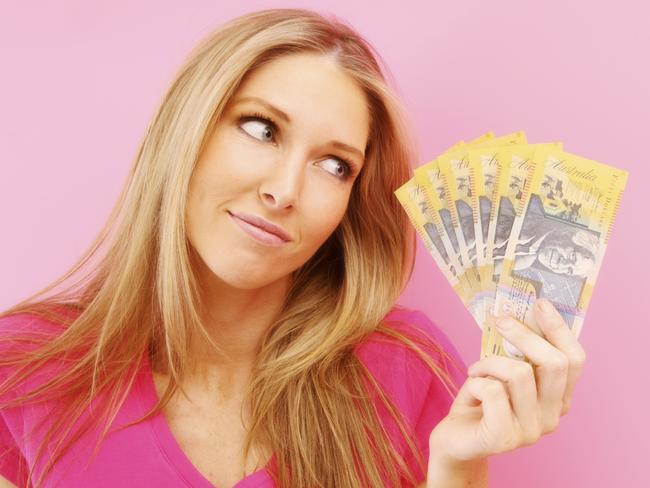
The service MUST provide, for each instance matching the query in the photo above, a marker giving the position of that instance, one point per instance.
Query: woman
(202, 350)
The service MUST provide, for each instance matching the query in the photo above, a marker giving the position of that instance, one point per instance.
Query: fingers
(519, 379)
(497, 430)
(552, 367)
(558, 334)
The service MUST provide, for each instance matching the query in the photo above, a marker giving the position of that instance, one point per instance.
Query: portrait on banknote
(555, 255)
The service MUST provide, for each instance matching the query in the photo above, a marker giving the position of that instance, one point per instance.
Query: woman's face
(289, 172)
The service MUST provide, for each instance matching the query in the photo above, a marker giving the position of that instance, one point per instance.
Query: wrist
(474, 473)
(448, 472)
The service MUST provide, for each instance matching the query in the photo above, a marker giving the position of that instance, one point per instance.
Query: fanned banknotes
(508, 222)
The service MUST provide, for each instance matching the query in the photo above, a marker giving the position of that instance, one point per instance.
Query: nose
(282, 188)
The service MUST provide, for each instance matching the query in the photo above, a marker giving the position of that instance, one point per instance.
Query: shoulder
(19, 328)
(22, 333)
(405, 377)
(416, 321)
(416, 325)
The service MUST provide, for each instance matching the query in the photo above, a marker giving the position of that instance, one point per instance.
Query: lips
(263, 224)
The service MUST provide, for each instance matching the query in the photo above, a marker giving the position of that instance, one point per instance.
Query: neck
(237, 319)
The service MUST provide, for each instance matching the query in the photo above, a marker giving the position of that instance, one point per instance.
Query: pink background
(80, 81)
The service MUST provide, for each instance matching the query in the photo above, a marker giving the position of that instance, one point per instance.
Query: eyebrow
(287, 119)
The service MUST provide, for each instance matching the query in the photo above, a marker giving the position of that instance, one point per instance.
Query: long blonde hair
(307, 396)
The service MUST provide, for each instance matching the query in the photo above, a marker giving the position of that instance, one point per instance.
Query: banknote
(557, 240)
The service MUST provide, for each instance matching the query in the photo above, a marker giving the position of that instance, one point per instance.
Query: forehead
(320, 99)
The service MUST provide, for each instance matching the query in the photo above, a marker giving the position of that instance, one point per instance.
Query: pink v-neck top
(147, 454)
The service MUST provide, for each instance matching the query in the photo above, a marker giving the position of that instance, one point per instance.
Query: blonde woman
(235, 322)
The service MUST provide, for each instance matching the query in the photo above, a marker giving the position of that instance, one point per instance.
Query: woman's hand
(507, 403)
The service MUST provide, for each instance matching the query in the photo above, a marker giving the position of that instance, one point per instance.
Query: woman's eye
(339, 168)
(259, 129)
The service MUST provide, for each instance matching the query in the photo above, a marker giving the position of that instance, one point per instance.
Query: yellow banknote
(557, 240)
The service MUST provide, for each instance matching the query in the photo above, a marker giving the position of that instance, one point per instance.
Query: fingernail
(505, 323)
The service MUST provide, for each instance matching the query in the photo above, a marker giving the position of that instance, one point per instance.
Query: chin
(243, 279)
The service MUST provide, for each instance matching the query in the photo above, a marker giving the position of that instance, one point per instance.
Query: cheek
(230, 163)
(321, 215)
(217, 180)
